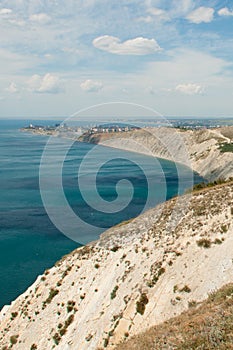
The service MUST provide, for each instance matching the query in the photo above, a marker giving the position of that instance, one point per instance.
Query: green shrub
(115, 248)
(202, 185)
(59, 283)
(192, 303)
(14, 314)
(204, 242)
(155, 277)
(185, 289)
(226, 147)
(218, 241)
(224, 228)
(14, 339)
(222, 294)
(62, 331)
(56, 338)
(52, 294)
(70, 305)
(141, 303)
(113, 293)
(106, 341)
(69, 321)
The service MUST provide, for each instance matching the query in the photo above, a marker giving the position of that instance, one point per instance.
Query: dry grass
(210, 326)
(227, 132)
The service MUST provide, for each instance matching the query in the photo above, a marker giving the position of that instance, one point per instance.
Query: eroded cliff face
(198, 149)
(136, 275)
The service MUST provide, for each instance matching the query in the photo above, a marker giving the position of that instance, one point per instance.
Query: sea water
(29, 241)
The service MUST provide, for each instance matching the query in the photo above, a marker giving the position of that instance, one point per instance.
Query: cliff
(199, 149)
(138, 274)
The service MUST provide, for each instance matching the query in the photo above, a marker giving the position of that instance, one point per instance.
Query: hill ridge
(198, 149)
(138, 274)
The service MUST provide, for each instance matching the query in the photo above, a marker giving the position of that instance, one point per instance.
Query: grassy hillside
(208, 325)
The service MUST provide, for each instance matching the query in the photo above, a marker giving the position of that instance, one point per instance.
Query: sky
(174, 56)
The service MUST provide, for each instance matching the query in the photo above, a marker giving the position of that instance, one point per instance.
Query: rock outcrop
(136, 275)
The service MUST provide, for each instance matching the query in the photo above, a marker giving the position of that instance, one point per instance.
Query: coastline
(96, 278)
(107, 277)
(197, 149)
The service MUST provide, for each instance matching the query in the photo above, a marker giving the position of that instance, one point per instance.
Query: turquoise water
(29, 241)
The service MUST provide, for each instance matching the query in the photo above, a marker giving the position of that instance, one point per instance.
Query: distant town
(63, 130)
(59, 129)
(111, 129)
(57, 126)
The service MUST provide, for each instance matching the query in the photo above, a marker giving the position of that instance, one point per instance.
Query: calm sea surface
(29, 242)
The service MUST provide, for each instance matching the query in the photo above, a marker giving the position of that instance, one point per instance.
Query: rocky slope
(138, 274)
(199, 149)
(205, 325)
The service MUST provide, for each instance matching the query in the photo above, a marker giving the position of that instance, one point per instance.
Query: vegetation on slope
(202, 185)
(206, 326)
(226, 147)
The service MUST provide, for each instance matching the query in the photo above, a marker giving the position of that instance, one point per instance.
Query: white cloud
(201, 14)
(137, 46)
(225, 12)
(5, 11)
(12, 88)
(29, 47)
(158, 13)
(47, 84)
(17, 22)
(146, 19)
(181, 8)
(41, 18)
(72, 51)
(48, 56)
(91, 85)
(189, 89)
(13, 64)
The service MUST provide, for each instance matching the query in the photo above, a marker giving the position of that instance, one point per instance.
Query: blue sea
(29, 241)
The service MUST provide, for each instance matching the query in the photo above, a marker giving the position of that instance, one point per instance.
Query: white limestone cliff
(198, 149)
(136, 275)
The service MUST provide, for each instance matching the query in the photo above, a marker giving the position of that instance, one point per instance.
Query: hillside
(138, 274)
(208, 325)
(202, 150)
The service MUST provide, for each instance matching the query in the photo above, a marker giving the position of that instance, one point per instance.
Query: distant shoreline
(209, 152)
(205, 151)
